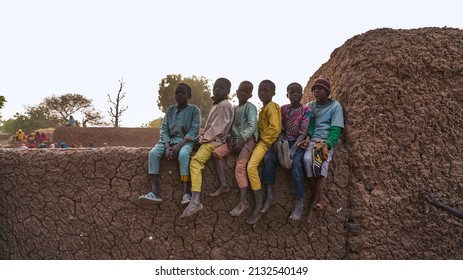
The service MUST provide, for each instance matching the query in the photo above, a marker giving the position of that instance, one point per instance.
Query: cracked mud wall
(82, 204)
(402, 91)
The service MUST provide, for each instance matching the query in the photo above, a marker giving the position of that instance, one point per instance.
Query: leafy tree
(67, 104)
(42, 116)
(156, 123)
(36, 117)
(2, 101)
(19, 121)
(200, 90)
(118, 108)
(53, 112)
(92, 116)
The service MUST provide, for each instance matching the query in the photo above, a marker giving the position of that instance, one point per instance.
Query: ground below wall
(82, 204)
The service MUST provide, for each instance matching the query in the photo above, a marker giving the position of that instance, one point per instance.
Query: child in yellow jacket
(269, 126)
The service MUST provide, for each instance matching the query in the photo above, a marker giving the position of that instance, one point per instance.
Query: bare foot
(243, 205)
(221, 190)
(269, 202)
(298, 209)
(191, 209)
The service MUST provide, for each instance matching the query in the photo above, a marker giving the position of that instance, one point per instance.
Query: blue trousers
(158, 151)
(297, 170)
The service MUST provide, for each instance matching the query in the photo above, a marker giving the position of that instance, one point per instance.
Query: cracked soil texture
(402, 92)
(83, 204)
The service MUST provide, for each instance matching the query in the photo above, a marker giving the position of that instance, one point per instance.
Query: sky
(57, 47)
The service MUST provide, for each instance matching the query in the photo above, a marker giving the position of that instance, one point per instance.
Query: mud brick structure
(99, 136)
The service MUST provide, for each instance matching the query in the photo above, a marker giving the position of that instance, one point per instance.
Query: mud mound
(402, 91)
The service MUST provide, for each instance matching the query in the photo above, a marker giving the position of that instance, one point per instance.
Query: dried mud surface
(83, 204)
(120, 136)
(402, 92)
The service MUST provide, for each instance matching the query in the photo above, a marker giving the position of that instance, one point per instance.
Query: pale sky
(56, 47)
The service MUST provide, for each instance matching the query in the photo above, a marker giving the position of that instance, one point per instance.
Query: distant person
(31, 137)
(269, 126)
(325, 128)
(63, 145)
(71, 121)
(179, 131)
(42, 137)
(218, 125)
(453, 211)
(23, 146)
(42, 145)
(20, 135)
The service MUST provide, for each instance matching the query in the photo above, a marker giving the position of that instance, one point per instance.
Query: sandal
(186, 198)
(317, 161)
(318, 207)
(150, 197)
(284, 154)
(287, 159)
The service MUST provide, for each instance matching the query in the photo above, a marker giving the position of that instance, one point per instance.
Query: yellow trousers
(257, 156)
(197, 164)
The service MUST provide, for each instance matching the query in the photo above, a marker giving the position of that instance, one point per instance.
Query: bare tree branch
(116, 104)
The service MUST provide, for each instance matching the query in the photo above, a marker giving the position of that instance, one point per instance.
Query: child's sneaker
(150, 197)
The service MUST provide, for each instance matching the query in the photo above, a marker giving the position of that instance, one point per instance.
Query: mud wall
(82, 204)
(402, 91)
(120, 136)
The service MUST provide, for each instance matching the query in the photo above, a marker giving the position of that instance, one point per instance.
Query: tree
(42, 116)
(19, 122)
(200, 90)
(2, 101)
(156, 123)
(68, 104)
(53, 112)
(92, 116)
(118, 108)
